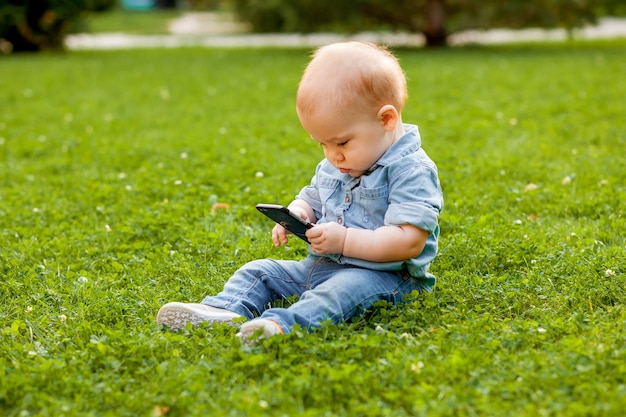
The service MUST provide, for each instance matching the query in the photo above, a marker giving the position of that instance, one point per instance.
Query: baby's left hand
(327, 238)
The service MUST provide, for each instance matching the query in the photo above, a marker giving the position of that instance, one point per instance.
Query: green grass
(110, 163)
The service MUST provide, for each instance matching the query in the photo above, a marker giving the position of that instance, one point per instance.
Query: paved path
(204, 29)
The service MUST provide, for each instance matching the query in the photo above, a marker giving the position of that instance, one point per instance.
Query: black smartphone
(286, 218)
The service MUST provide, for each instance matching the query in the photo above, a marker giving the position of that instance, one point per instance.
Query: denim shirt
(402, 187)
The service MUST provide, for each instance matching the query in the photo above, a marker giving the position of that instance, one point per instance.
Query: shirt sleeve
(415, 196)
(311, 195)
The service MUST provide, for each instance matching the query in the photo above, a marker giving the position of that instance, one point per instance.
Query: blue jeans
(327, 291)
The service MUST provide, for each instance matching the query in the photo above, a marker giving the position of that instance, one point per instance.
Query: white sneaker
(255, 330)
(176, 315)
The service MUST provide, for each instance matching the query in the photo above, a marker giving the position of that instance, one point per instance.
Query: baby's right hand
(279, 233)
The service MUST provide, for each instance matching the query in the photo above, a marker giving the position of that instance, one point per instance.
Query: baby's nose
(338, 156)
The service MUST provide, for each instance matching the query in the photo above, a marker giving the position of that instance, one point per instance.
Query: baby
(375, 200)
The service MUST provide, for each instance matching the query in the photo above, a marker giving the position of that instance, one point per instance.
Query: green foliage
(303, 15)
(466, 14)
(130, 21)
(111, 162)
(432, 17)
(42, 24)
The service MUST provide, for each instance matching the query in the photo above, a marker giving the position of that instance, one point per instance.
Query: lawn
(111, 167)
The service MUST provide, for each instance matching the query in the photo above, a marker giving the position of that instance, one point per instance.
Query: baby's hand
(279, 233)
(327, 238)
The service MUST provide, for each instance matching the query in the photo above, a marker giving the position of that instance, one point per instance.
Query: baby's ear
(388, 117)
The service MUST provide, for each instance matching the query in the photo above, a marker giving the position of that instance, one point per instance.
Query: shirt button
(339, 220)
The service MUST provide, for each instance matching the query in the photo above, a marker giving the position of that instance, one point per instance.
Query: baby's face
(352, 140)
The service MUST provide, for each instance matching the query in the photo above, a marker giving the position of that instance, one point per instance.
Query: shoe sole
(176, 317)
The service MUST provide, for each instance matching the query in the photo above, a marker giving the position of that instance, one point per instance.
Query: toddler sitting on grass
(375, 201)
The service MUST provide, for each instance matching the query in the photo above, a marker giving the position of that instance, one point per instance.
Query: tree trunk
(435, 32)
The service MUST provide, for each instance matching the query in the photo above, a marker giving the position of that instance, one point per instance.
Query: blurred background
(35, 25)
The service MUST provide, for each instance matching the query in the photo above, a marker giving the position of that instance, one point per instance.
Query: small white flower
(609, 273)
(513, 121)
(62, 318)
(566, 180)
(259, 174)
(184, 155)
(107, 228)
(129, 188)
(541, 330)
(417, 367)
(28, 309)
(35, 210)
(82, 280)
(178, 182)
(517, 222)
(263, 404)
(243, 151)
(121, 175)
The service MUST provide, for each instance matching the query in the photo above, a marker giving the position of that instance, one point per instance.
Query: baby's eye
(344, 143)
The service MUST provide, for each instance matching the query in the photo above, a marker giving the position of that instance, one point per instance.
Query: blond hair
(352, 74)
